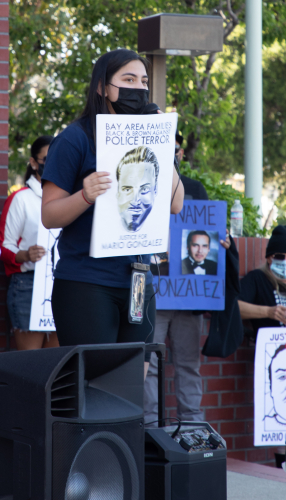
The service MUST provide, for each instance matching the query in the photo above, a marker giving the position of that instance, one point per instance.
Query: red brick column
(4, 116)
(228, 383)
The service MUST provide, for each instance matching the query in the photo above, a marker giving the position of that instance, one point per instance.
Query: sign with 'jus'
(191, 275)
(132, 217)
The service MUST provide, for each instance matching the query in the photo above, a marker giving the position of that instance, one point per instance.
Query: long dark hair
(104, 69)
(38, 144)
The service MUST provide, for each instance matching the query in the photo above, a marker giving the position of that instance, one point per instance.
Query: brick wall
(4, 113)
(228, 383)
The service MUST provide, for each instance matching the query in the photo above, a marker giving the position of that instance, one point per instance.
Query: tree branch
(190, 3)
(234, 19)
(209, 65)
(196, 75)
(231, 13)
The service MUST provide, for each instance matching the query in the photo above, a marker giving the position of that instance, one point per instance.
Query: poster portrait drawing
(137, 177)
(276, 418)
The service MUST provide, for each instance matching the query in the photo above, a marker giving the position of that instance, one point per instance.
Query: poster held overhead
(132, 217)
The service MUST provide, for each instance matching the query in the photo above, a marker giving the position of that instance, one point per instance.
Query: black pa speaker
(190, 465)
(71, 423)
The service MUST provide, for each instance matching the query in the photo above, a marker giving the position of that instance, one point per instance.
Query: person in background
(184, 330)
(262, 298)
(19, 250)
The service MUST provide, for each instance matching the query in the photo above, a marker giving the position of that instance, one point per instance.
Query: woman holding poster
(91, 295)
(19, 250)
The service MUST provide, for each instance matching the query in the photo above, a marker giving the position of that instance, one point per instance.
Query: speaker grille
(98, 461)
(64, 390)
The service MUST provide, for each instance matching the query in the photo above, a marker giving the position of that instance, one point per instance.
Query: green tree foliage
(54, 44)
(274, 112)
(218, 190)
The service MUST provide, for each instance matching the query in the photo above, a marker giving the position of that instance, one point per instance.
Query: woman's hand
(36, 253)
(277, 313)
(226, 243)
(95, 184)
(33, 254)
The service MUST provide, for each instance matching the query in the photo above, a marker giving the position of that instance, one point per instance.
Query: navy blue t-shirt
(71, 158)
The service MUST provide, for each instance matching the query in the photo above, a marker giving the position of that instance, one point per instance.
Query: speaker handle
(160, 350)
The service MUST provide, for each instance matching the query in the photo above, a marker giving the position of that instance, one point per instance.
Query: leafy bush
(218, 190)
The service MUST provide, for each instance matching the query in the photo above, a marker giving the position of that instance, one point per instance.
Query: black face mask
(41, 168)
(130, 101)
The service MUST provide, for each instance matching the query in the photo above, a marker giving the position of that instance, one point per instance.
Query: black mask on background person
(130, 101)
(41, 168)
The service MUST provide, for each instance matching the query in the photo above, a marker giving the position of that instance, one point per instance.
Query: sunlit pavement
(248, 481)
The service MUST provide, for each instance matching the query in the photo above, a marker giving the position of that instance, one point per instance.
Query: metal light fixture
(176, 35)
(180, 34)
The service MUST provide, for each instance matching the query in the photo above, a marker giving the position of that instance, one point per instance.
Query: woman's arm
(178, 201)
(12, 225)
(60, 208)
(253, 311)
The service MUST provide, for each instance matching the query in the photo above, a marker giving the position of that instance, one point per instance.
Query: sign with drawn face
(270, 387)
(192, 272)
(41, 318)
(132, 217)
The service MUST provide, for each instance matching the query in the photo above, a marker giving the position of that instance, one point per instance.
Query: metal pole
(253, 102)
(157, 83)
(160, 350)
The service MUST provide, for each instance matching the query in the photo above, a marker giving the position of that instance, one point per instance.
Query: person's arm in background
(249, 301)
(8, 254)
(12, 224)
(254, 311)
(178, 193)
(203, 194)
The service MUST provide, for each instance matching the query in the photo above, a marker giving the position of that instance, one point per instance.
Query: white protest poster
(270, 387)
(41, 318)
(133, 216)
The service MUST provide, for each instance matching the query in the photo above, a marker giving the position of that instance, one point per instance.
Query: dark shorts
(85, 313)
(19, 299)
